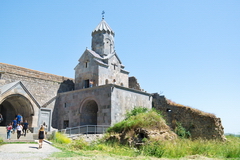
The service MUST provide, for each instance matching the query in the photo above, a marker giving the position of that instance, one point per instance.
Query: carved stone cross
(114, 65)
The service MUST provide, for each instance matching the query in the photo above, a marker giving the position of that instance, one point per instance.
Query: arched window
(86, 64)
(106, 81)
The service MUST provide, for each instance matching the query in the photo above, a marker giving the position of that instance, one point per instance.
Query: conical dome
(103, 39)
(103, 26)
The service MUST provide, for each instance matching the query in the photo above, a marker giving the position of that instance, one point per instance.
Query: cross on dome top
(103, 14)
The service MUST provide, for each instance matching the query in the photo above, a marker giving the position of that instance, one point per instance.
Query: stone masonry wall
(43, 86)
(125, 99)
(69, 104)
(198, 123)
(133, 83)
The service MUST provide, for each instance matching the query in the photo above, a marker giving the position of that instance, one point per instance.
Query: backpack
(9, 128)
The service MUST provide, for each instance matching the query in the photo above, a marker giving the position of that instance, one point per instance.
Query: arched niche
(88, 113)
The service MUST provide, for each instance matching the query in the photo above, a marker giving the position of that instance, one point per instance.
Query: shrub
(60, 138)
(136, 111)
(181, 131)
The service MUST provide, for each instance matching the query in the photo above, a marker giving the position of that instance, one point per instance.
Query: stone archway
(89, 111)
(14, 104)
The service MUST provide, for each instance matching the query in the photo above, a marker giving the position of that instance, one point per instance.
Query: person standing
(9, 128)
(19, 130)
(25, 127)
(14, 125)
(21, 121)
(45, 127)
(19, 118)
(41, 136)
(1, 118)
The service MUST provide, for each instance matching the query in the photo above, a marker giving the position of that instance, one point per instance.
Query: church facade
(102, 95)
(99, 94)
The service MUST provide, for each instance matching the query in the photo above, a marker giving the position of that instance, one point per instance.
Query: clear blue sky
(187, 50)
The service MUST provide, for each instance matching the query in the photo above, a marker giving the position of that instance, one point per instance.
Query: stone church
(100, 94)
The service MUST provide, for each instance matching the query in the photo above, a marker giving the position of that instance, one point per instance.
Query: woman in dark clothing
(25, 127)
(41, 136)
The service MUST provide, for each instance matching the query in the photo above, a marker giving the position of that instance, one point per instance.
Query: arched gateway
(16, 99)
(16, 104)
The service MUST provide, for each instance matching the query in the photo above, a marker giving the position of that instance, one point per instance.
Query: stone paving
(26, 151)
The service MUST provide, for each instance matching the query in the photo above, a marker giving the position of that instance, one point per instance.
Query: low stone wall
(199, 124)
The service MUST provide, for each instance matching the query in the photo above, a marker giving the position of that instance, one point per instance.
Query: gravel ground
(26, 151)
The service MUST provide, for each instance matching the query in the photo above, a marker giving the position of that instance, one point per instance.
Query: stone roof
(103, 26)
(8, 86)
(8, 68)
(94, 54)
(100, 59)
(101, 62)
(20, 89)
(124, 71)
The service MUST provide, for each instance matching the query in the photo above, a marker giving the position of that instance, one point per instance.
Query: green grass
(139, 118)
(1, 141)
(143, 118)
(208, 148)
(165, 149)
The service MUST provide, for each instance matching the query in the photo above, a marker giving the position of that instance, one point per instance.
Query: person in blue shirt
(19, 118)
(14, 125)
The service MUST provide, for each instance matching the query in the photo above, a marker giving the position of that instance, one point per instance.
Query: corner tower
(103, 39)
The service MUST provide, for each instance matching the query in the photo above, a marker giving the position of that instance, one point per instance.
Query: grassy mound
(140, 118)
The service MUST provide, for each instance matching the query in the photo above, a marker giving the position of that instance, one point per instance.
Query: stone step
(14, 136)
(2, 129)
(3, 134)
(30, 137)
